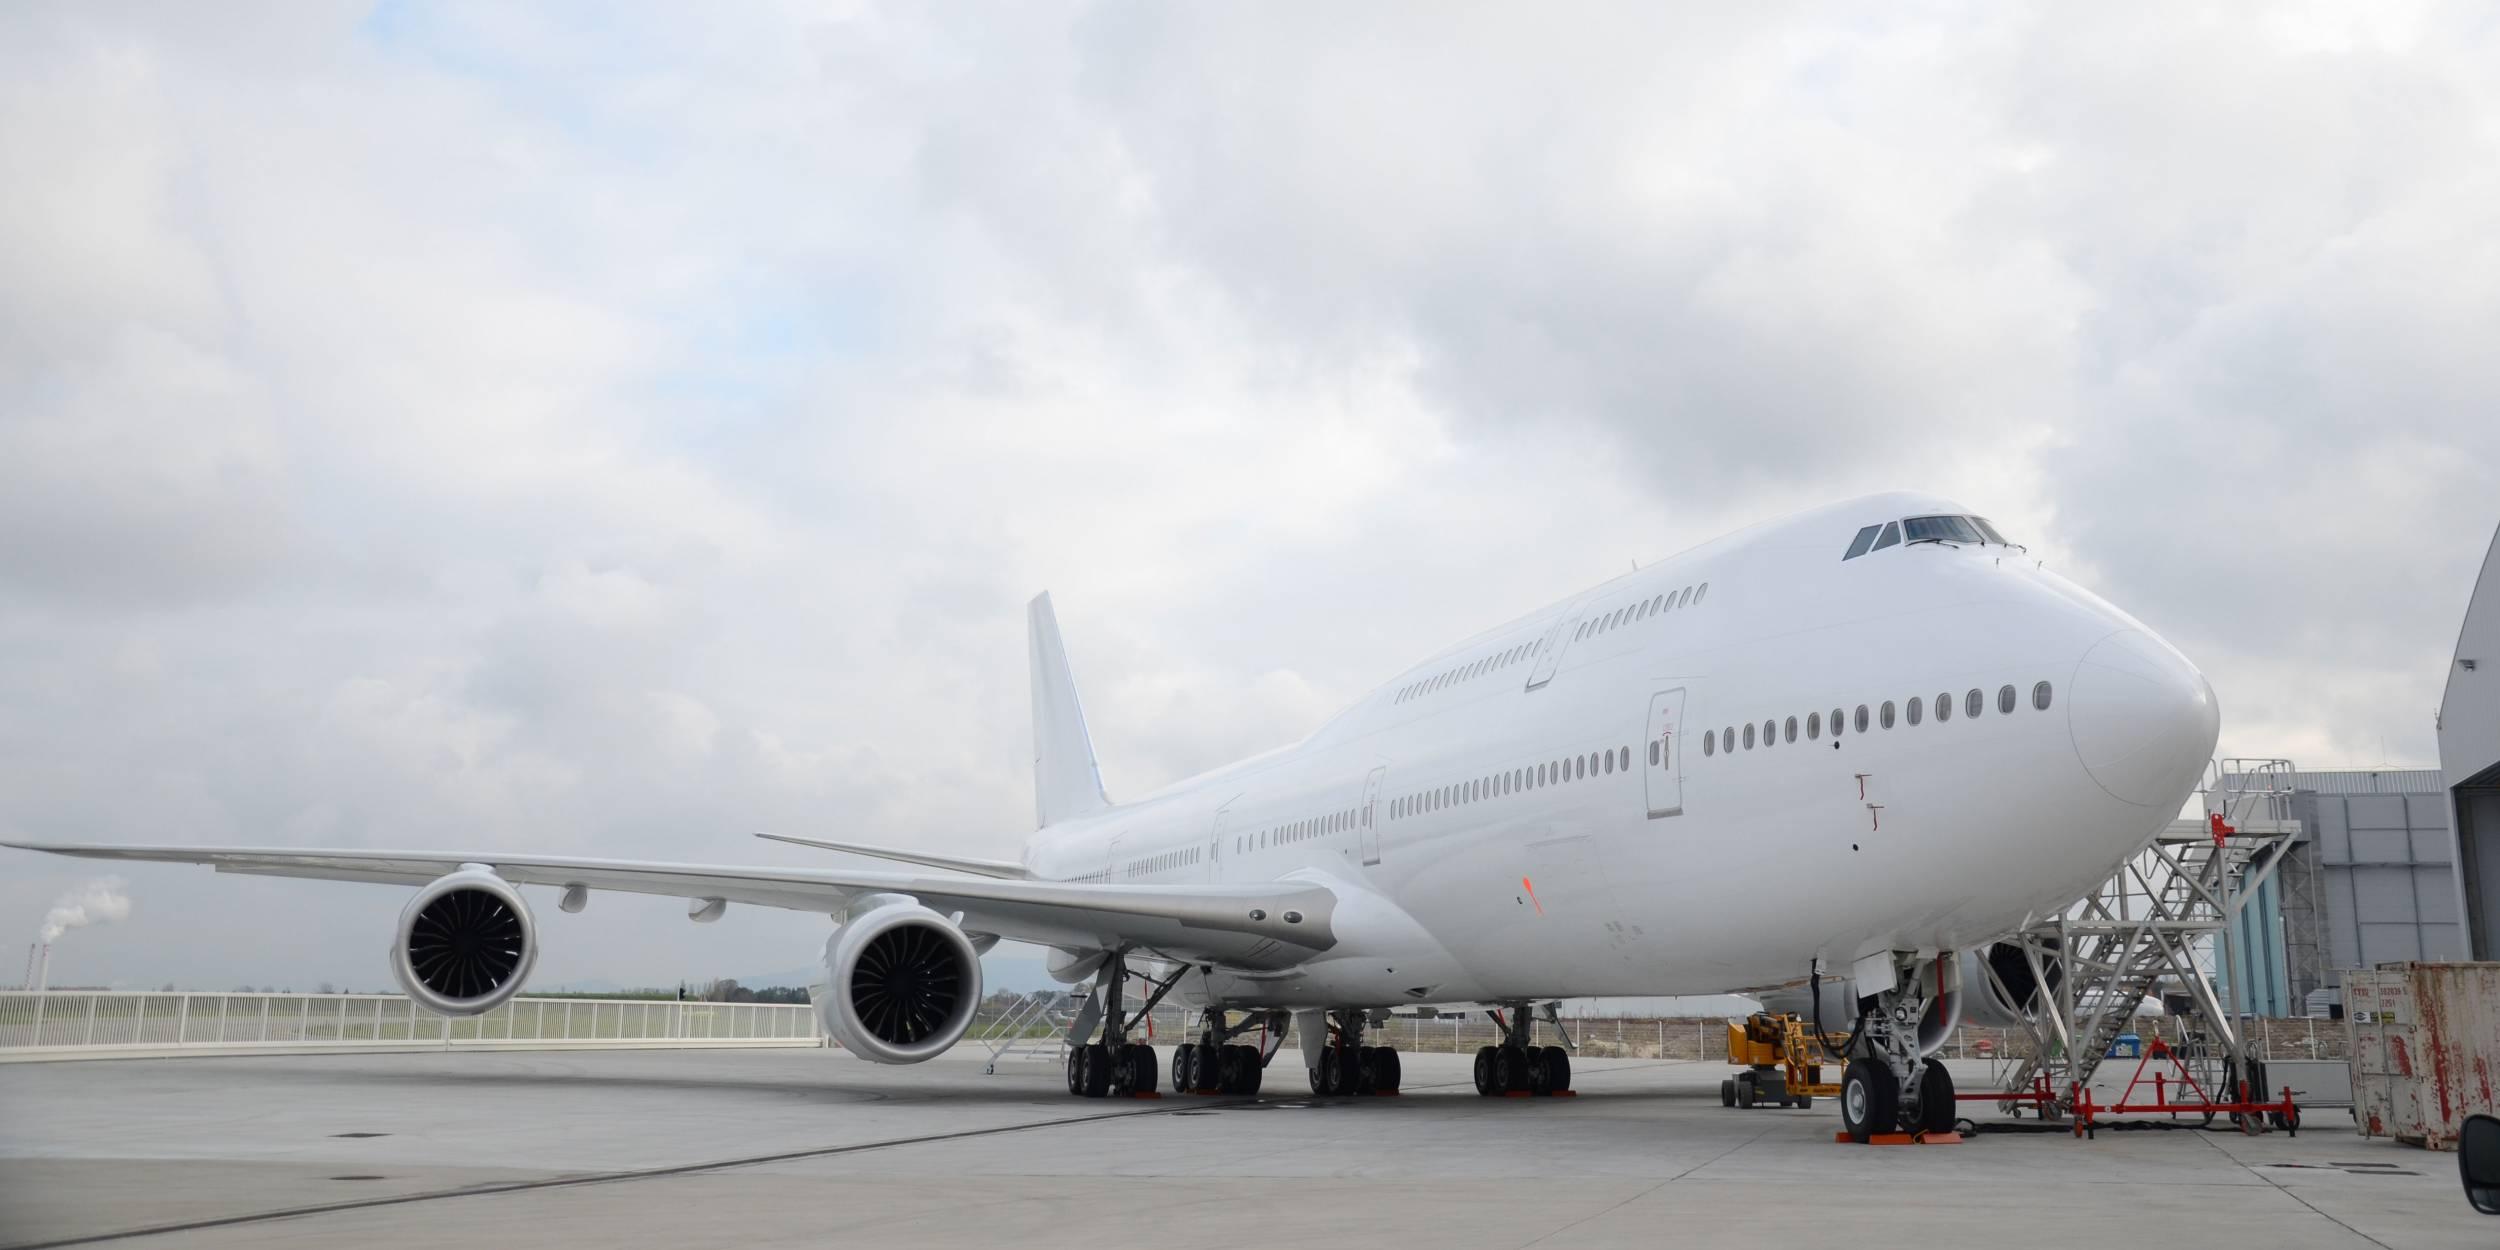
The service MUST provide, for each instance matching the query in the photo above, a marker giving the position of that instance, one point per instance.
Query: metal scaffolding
(2163, 919)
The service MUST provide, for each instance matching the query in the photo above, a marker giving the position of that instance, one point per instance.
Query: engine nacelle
(901, 983)
(2023, 997)
(464, 944)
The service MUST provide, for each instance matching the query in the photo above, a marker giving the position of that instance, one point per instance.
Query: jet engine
(2023, 997)
(465, 943)
(901, 983)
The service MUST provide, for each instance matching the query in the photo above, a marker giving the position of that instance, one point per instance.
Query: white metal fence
(56, 1019)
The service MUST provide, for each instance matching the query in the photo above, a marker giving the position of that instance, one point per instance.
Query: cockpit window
(1892, 536)
(1990, 531)
(1859, 544)
(1942, 529)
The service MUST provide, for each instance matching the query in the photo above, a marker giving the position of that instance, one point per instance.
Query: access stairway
(2165, 917)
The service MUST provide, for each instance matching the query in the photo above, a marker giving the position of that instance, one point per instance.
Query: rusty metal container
(2425, 1048)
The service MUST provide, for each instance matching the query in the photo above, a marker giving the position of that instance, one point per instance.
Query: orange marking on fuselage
(1523, 884)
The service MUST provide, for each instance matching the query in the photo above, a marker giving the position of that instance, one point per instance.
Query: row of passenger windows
(1668, 602)
(1775, 731)
(1165, 862)
(1345, 821)
(1513, 781)
(1478, 668)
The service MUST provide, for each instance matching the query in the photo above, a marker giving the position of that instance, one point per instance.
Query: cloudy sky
(613, 430)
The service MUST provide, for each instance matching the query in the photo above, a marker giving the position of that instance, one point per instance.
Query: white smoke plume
(100, 901)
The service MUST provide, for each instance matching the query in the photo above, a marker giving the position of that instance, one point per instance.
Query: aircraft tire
(1486, 1086)
(1096, 1069)
(1389, 1070)
(1870, 1100)
(1937, 1108)
(1557, 1070)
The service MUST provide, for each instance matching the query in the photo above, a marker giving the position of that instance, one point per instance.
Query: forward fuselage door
(1367, 821)
(1549, 652)
(1663, 756)
(1218, 842)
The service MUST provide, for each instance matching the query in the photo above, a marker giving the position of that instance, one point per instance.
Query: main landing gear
(1114, 1066)
(1518, 1065)
(1891, 1085)
(1348, 1067)
(1216, 1065)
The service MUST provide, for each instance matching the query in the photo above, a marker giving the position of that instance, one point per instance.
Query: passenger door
(1549, 652)
(1663, 756)
(1367, 828)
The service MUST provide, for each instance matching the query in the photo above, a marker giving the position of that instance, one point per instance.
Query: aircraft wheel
(1557, 1070)
(1141, 1069)
(1076, 1070)
(1095, 1069)
(1253, 1069)
(1486, 1085)
(1870, 1100)
(1511, 1068)
(1184, 1067)
(1388, 1071)
(1937, 1109)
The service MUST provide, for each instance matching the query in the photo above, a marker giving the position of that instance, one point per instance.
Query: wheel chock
(1146, 1093)
(1903, 1139)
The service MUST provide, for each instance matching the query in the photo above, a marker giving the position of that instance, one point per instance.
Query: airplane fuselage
(1699, 777)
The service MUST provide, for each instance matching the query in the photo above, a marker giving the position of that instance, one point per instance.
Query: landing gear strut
(1518, 1065)
(1214, 1064)
(1347, 1067)
(1115, 1066)
(1891, 1084)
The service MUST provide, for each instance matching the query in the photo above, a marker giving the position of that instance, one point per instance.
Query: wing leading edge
(1242, 925)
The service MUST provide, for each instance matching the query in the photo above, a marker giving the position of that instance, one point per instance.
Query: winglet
(1066, 780)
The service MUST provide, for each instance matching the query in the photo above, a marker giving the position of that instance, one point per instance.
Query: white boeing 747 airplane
(1831, 758)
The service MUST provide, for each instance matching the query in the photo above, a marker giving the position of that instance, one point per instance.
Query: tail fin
(1066, 780)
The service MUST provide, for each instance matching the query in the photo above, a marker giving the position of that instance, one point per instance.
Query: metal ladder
(2164, 916)
(1011, 1034)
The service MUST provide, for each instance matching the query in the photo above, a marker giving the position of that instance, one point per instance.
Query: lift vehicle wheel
(1486, 1085)
(1727, 1093)
(1870, 1100)
(1804, 1102)
(1744, 1091)
(1557, 1070)
(1937, 1109)
(1388, 1070)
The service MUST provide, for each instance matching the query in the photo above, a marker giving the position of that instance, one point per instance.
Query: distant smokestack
(27, 982)
(43, 968)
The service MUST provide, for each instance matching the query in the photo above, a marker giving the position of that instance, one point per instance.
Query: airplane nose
(2144, 720)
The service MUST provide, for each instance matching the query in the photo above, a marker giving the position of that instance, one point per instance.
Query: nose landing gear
(1891, 1084)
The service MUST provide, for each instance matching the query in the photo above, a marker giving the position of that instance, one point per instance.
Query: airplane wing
(1273, 925)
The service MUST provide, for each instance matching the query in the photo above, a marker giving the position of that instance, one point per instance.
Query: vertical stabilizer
(1066, 781)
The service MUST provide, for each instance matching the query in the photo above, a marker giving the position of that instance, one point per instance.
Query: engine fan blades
(465, 944)
(906, 983)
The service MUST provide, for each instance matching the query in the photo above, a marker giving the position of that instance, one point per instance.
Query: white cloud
(463, 426)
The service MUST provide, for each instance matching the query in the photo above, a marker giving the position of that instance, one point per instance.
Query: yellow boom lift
(1783, 1065)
